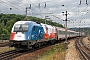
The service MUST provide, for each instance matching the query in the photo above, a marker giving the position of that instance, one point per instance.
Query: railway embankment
(72, 53)
(53, 52)
(86, 42)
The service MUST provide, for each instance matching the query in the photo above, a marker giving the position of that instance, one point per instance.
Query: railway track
(9, 55)
(4, 44)
(12, 54)
(83, 49)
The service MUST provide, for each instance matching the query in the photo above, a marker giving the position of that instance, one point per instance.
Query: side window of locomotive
(34, 28)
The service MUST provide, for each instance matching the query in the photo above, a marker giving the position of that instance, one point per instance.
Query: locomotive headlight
(28, 37)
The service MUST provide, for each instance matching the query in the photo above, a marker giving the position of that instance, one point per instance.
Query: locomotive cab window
(21, 28)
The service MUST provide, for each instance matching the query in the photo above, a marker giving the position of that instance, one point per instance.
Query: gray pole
(0, 6)
(45, 13)
(45, 18)
(80, 29)
(66, 27)
(26, 13)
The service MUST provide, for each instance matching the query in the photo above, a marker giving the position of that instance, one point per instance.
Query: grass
(4, 49)
(57, 52)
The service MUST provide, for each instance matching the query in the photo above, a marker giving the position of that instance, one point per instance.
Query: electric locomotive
(29, 34)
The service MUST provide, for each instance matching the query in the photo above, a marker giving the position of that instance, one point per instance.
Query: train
(29, 34)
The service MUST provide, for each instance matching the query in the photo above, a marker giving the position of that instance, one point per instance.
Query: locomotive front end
(19, 35)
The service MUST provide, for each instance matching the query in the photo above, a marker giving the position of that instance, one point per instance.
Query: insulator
(80, 2)
(39, 5)
(30, 6)
(86, 2)
(45, 5)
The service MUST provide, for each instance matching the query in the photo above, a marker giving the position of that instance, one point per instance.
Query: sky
(78, 14)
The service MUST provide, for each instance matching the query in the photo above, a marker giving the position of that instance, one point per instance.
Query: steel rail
(85, 55)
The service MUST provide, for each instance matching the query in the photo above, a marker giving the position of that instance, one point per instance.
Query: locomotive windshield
(21, 28)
